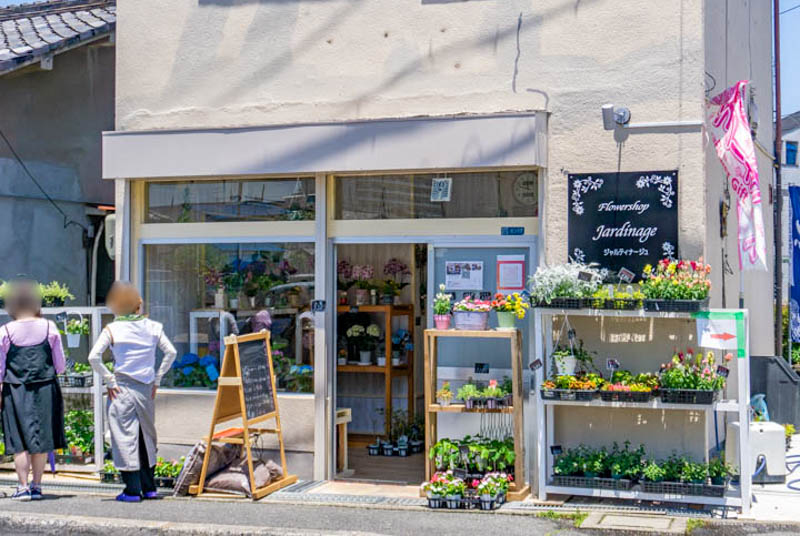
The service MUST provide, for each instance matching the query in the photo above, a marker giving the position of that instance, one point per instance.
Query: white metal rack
(96, 390)
(735, 496)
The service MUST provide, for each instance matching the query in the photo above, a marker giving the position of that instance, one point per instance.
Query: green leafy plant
(166, 469)
(78, 326)
(493, 390)
(718, 470)
(81, 368)
(108, 467)
(233, 282)
(468, 391)
(473, 453)
(79, 430)
(653, 472)
(695, 473)
(55, 292)
(444, 393)
(441, 303)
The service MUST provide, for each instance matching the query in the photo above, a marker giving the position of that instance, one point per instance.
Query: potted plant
(397, 270)
(719, 472)
(364, 340)
(75, 328)
(565, 360)
(468, 393)
(341, 358)
(401, 343)
(80, 375)
(691, 379)
(471, 314)
(509, 309)
(387, 449)
(358, 293)
(233, 286)
(166, 472)
(55, 294)
(416, 433)
(454, 490)
(434, 490)
(441, 309)
(564, 286)
(444, 395)
(653, 475)
(788, 431)
(374, 449)
(3, 292)
(606, 297)
(676, 286)
(695, 475)
(493, 393)
(568, 387)
(109, 474)
(487, 492)
(251, 288)
(213, 280)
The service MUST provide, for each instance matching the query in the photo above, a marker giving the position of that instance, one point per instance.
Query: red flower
(510, 478)
(475, 482)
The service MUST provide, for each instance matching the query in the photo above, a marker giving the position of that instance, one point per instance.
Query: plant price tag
(585, 276)
(625, 275)
(723, 371)
(555, 450)
(536, 365)
(612, 364)
(486, 295)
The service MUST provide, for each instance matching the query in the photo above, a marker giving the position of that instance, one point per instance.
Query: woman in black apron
(32, 408)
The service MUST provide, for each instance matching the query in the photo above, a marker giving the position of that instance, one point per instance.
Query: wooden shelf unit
(519, 488)
(405, 370)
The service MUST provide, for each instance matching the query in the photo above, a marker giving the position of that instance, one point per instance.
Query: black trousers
(143, 480)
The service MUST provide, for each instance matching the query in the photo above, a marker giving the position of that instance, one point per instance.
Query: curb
(96, 526)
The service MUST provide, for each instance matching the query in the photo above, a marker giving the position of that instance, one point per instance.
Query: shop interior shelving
(405, 370)
(519, 489)
(738, 496)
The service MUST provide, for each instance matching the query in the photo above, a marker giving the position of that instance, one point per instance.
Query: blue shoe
(124, 497)
(36, 493)
(150, 495)
(22, 494)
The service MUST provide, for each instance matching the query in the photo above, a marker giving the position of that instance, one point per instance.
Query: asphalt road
(315, 519)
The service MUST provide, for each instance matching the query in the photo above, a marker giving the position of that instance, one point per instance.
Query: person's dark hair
(23, 297)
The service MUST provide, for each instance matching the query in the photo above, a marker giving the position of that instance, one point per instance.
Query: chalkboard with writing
(259, 392)
(623, 220)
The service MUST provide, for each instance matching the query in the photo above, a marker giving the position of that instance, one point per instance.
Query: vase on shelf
(441, 321)
(506, 320)
(219, 299)
(365, 356)
(234, 303)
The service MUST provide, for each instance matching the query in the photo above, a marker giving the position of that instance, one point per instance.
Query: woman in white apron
(133, 340)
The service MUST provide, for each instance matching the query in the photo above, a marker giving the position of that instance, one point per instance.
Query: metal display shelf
(545, 409)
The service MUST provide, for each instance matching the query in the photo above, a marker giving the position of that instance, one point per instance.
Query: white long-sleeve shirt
(133, 344)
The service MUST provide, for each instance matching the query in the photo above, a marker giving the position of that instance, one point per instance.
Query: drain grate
(288, 496)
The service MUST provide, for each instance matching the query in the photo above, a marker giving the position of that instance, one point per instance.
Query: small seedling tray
(567, 395)
(688, 396)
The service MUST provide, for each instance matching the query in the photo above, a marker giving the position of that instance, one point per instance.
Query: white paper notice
(464, 275)
(510, 273)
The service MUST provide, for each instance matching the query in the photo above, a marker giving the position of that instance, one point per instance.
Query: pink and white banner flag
(730, 131)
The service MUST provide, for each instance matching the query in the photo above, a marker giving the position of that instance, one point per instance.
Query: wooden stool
(343, 416)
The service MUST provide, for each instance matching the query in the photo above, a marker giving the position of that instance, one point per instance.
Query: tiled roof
(790, 122)
(30, 31)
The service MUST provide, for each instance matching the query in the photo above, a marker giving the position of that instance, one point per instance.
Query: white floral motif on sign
(668, 250)
(580, 187)
(664, 183)
(578, 255)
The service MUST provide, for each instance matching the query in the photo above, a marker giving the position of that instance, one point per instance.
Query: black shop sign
(623, 220)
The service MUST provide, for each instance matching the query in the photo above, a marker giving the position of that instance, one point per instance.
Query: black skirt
(33, 417)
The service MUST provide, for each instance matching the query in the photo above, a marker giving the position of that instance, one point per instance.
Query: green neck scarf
(129, 318)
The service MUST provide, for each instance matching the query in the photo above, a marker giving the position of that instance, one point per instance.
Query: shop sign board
(623, 221)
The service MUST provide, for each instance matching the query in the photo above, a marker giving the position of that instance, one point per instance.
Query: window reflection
(203, 292)
(230, 200)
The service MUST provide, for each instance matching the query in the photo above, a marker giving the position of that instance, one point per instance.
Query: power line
(67, 220)
(790, 9)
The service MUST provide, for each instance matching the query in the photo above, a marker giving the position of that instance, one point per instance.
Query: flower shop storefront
(220, 247)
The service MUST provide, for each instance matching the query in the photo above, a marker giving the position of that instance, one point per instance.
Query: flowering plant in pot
(493, 394)
(454, 490)
(441, 309)
(676, 285)
(471, 314)
(233, 286)
(444, 395)
(358, 294)
(469, 393)
(364, 339)
(509, 308)
(434, 489)
(690, 378)
(75, 328)
(397, 271)
(564, 285)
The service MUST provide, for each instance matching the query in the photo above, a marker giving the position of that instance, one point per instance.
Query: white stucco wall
(739, 47)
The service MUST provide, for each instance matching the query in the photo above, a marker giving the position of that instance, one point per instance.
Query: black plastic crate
(688, 396)
(110, 478)
(80, 380)
(616, 484)
(567, 395)
(711, 490)
(681, 488)
(565, 303)
(165, 482)
(675, 306)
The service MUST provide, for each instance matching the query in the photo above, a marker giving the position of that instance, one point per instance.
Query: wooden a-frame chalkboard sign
(246, 391)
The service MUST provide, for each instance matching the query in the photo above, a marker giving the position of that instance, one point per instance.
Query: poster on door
(510, 273)
(463, 275)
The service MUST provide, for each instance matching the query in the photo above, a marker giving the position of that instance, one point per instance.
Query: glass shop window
(203, 292)
(791, 153)
(230, 200)
(486, 194)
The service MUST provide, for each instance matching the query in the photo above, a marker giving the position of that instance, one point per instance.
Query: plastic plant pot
(506, 320)
(441, 321)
